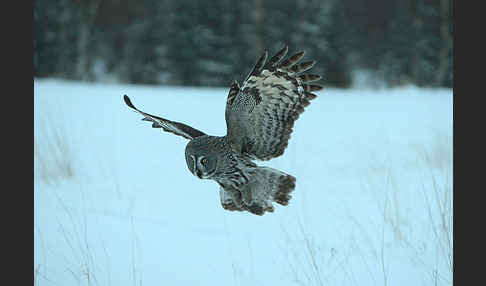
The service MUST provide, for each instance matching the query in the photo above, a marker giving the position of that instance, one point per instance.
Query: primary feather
(174, 127)
(261, 114)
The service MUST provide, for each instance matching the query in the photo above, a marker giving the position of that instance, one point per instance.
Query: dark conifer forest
(211, 43)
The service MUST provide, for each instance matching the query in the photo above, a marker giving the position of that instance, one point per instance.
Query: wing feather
(174, 127)
(274, 95)
(277, 58)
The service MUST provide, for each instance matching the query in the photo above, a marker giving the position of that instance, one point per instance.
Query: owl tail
(270, 185)
(284, 183)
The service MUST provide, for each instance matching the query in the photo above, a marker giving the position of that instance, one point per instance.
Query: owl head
(200, 159)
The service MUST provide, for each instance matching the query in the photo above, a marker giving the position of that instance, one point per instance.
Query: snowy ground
(114, 203)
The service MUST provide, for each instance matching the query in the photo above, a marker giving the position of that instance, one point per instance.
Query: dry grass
(415, 202)
(53, 154)
(436, 191)
(438, 195)
(75, 248)
(432, 191)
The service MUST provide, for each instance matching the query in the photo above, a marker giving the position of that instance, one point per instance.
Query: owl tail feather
(286, 184)
(266, 185)
(272, 185)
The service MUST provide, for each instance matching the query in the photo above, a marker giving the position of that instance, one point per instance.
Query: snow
(114, 203)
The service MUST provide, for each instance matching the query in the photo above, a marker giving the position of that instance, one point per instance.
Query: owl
(260, 115)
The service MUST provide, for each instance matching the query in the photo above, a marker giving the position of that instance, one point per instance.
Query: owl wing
(277, 92)
(176, 128)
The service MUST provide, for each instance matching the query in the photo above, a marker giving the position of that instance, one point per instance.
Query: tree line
(211, 43)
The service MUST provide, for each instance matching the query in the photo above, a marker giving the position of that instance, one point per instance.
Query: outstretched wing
(177, 128)
(273, 96)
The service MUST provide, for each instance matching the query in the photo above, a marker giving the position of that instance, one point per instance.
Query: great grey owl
(260, 116)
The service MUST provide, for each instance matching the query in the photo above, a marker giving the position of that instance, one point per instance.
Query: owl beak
(198, 173)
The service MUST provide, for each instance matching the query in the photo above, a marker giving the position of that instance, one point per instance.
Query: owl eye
(204, 161)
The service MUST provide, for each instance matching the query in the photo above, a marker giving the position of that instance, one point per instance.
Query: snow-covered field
(114, 203)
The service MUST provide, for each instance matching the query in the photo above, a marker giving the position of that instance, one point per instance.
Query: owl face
(201, 163)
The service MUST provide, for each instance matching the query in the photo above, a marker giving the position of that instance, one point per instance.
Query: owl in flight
(260, 115)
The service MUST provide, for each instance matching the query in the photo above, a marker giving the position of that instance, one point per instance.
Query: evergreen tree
(211, 43)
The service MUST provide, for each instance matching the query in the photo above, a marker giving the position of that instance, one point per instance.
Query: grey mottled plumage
(260, 115)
